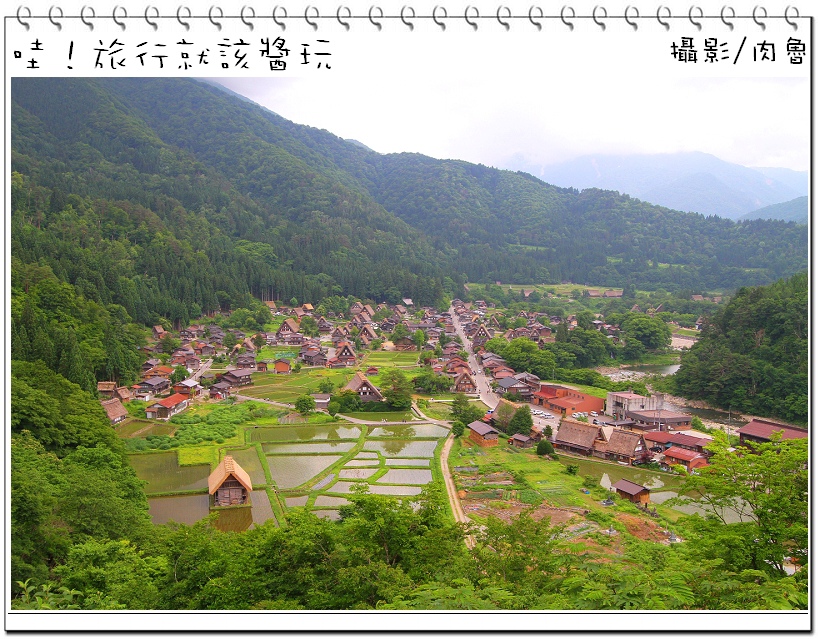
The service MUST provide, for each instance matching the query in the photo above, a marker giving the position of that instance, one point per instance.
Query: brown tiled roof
(764, 429)
(577, 434)
(658, 436)
(227, 467)
(623, 442)
(628, 487)
(104, 387)
(688, 440)
(682, 453)
(482, 429)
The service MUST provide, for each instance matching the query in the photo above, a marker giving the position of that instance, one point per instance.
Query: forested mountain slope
(753, 353)
(334, 216)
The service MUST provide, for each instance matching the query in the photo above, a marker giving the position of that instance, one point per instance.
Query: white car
(594, 413)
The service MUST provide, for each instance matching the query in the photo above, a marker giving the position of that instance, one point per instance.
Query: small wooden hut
(632, 492)
(229, 484)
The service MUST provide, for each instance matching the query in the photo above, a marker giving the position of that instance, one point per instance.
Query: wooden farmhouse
(229, 484)
(627, 447)
(464, 383)
(238, 377)
(366, 389)
(106, 389)
(220, 390)
(632, 492)
(114, 409)
(578, 437)
(167, 408)
(346, 354)
(282, 366)
(519, 440)
(483, 434)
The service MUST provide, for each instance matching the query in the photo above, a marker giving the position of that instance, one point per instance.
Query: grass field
(390, 358)
(142, 428)
(288, 388)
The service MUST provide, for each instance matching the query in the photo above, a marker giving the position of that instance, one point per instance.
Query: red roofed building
(761, 430)
(690, 459)
(167, 408)
(566, 401)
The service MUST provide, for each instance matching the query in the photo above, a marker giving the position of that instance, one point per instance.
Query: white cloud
(749, 121)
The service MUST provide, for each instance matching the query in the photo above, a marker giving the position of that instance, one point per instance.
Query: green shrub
(545, 447)
(590, 482)
(572, 469)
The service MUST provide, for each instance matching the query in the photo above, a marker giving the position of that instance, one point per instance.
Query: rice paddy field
(299, 465)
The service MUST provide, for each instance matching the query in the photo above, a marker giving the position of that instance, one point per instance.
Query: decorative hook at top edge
(275, 16)
(403, 17)
(435, 18)
(244, 20)
(20, 19)
(508, 17)
(628, 17)
(314, 25)
(599, 22)
(186, 25)
(666, 25)
(378, 25)
(531, 17)
(756, 20)
(570, 25)
(348, 16)
(218, 25)
(155, 25)
(51, 17)
(87, 23)
(467, 17)
(794, 25)
(698, 25)
(724, 20)
(114, 17)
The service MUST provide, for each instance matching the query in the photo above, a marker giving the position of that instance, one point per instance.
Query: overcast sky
(749, 121)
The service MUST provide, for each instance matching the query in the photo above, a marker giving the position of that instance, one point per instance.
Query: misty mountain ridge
(692, 181)
(796, 210)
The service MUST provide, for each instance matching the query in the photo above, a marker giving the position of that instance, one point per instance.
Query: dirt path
(451, 489)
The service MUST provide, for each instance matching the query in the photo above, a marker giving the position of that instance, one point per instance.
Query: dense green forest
(753, 353)
(224, 196)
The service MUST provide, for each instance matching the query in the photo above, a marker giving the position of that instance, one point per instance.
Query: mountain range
(197, 197)
(695, 181)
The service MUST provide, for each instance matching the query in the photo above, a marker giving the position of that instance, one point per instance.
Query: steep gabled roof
(114, 408)
(623, 442)
(228, 467)
(358, 381)
(577, 434)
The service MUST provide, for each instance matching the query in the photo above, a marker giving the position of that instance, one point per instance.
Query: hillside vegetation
(753, 353)
(196, 197)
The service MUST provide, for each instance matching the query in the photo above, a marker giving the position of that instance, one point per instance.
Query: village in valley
(393, 399)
